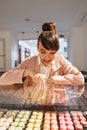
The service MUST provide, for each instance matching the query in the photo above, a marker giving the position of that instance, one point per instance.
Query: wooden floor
(17, 95)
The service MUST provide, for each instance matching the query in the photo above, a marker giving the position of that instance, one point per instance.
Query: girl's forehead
(45, 50)
(42, 48)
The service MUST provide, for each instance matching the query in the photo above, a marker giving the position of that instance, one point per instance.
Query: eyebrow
(48, 50)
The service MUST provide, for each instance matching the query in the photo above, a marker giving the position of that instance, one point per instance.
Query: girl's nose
(47, 57)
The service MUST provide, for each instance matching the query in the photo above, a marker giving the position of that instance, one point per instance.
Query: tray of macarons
(42, 120)
(21, 120)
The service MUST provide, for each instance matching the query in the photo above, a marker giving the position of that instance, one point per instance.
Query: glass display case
(28, 108)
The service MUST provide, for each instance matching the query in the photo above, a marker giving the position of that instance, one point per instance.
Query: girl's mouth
(47, 61)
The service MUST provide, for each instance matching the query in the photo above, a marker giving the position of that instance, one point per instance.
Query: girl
(47, 66)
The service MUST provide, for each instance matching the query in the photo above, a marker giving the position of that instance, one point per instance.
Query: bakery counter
(20, 112)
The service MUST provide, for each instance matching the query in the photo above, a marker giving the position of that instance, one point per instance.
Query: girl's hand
(40, 79)
(50, 80)
(28, 73)
(28, 77)
(28, 81)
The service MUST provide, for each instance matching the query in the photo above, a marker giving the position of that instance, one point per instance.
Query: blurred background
(20, 26)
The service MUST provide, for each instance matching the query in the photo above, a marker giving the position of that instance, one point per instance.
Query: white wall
(85, 46)
(6, 35)
(11, 48)
(25, 36)
(77, 47)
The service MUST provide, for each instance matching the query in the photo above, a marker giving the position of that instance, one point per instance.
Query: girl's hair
(49, 38)
(49, 27)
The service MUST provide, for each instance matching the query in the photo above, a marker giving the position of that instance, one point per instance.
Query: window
(29, 48)
(63, 47)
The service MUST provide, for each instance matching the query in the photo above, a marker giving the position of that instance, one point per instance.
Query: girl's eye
(43, 52)
(52, 53)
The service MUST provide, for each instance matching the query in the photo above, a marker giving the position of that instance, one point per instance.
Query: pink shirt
(43, 69)
(63, 72)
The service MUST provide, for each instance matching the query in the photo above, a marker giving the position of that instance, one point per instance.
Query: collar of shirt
(43, 69)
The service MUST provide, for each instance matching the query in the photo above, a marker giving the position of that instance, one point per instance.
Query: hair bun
(49, 27)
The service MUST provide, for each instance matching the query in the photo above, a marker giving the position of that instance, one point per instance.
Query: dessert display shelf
(18, 95)
(17, 112)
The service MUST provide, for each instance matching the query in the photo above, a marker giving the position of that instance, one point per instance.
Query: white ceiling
(65, 13)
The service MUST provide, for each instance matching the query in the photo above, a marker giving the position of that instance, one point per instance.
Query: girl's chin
(46, 63)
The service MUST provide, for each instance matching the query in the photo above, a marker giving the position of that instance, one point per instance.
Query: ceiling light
(61, 35)
(27, 19)
(37, 31)
(84, 18)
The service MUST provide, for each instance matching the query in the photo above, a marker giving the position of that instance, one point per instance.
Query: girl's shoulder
(60, 59)
(31, 58)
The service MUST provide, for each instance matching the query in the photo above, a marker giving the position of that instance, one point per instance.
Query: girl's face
(46, 56)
